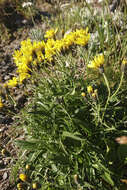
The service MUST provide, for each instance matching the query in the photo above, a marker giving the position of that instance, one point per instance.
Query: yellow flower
(23, 177)
(32, 53)
(23, 76)
(58, 45)
(23, 66)
(90, 89)
(34, 185)
(81, 37)
(13, 82)
(50, 33)
(35, 62)
(40, 56)
(1, 104)
(16, 56)
(68, 40)
(97, 63)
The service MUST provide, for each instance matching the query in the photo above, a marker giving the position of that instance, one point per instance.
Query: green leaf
(88, 185)
(71, 135)
(29, 145)
(107, 177)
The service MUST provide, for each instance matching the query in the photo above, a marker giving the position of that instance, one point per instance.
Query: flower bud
(83, 94)
(3, 151)
(94, 95)
(19, 186)
(27, 167)
(90, 89)
(34, 185)
(76, 178)
(124, 65)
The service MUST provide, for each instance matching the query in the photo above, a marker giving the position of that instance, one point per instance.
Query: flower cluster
(90, 89)
(25, 181)
(93, 93)
(43, 51)
(32, 53)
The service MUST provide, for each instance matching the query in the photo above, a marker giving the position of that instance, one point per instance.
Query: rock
(5, 175)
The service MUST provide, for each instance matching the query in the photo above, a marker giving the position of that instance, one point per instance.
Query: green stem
(121, 80)
(31, 16)
(109, 93)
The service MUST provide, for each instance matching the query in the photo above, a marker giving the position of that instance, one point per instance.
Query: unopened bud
(34, 185)
(3, 151)
(83, 94)
(94, 95)
(19, 186)
(124, 65)
(76, 178)
(27, 167)
(90, 89)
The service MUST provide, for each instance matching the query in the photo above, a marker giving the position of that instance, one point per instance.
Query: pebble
(5, 175)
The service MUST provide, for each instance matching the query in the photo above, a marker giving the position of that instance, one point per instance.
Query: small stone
(5, 175)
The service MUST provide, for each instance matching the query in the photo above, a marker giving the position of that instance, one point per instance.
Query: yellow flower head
(82, 37)
(23, 76)
(97, 62)
(33, 53)
(23, 177)
(34, 185)
(90, 89)
(50, 33)
(13, 82)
